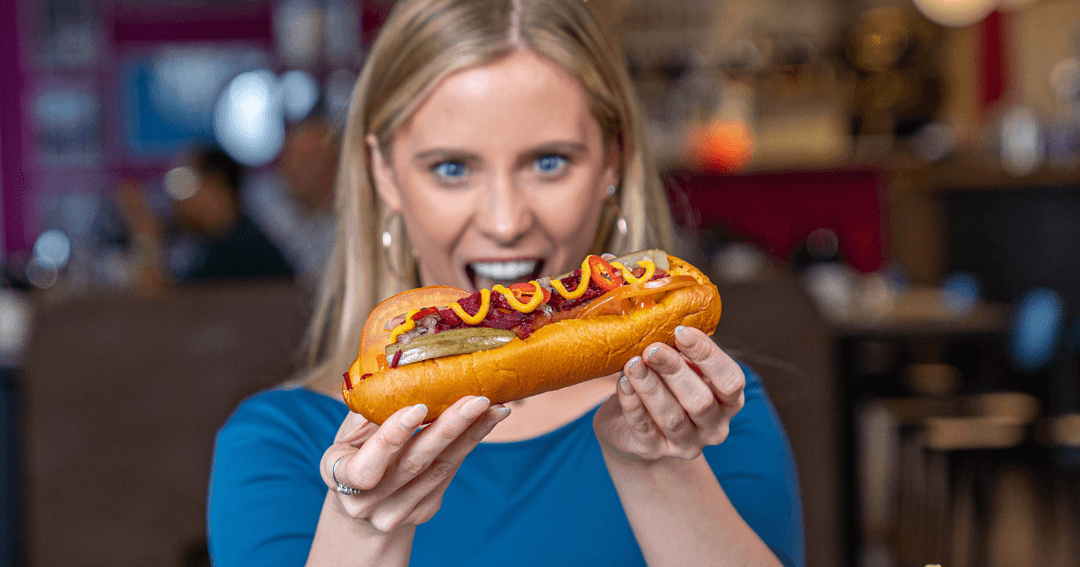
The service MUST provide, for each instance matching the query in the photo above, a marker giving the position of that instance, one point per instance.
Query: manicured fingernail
(625, 386)
(684, 338)
(652, 353)
(475, 407)
(634, 369)
(415, 415)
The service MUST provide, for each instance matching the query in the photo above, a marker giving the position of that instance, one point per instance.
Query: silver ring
(341, 488)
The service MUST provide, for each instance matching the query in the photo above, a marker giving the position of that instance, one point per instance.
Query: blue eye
(550, 163)
(450, 170)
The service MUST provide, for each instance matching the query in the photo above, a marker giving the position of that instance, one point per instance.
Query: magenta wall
(29, 179)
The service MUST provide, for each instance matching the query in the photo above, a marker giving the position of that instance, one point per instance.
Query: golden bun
(555, 356)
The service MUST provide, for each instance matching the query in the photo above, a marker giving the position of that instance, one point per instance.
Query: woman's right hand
(402, 473)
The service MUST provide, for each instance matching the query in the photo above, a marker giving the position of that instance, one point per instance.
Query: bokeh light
(739, 261)
(955, 13)
(933, 142)
(249, 121)
(1037, 329)
(41, 273)
(53, 246)
(299, 93)
(1022, 149)
(960, 292)
(181, 182)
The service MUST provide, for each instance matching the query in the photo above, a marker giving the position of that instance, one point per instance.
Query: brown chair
(123, 397)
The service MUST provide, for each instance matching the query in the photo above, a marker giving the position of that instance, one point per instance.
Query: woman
(496, 140)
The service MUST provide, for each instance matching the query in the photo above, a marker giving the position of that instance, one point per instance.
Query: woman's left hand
(665, 407)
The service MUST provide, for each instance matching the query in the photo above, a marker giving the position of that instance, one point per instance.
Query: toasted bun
(555, 356)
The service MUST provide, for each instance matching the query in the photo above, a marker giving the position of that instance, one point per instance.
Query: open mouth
(487, 273)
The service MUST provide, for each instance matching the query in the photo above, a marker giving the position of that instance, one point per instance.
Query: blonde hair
(422, 42)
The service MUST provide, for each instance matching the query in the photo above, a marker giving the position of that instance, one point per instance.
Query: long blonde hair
(422, 42)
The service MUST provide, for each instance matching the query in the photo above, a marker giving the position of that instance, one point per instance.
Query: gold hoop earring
(613, 226)
(391, 224)
(620, 221)
(620, 225)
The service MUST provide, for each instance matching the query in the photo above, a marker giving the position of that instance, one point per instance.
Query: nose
(507, 214)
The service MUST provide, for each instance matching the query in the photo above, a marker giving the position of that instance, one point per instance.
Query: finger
(430, 504)
(355, 429)
(366, 468)
(664, 409)
(445, 465)
(689, 388)
(607, 256)
(720, 371)
(436, 437)
(634, 412)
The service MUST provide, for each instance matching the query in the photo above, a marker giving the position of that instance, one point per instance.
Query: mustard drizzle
(537, 299)
(485, 304)
(586, 273)
(650, 270)
(405, 327)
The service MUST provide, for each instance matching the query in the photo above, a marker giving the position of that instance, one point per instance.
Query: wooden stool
(961, 454)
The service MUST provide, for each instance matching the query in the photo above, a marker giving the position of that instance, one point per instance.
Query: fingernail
(475, 407)
(625, 386)
(684, 338)
(652, 353)
(502, 412)
(634, 369)
(415, 415)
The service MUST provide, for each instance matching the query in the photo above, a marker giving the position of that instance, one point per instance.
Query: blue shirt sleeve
(265, 490)
(756, 468)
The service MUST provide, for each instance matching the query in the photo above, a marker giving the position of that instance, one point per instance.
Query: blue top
(543, 501)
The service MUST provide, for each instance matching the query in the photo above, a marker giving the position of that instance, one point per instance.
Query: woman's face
(500, 175)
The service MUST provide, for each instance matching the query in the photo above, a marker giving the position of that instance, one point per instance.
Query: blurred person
(501, 130)
(218, 239)
(294, 201)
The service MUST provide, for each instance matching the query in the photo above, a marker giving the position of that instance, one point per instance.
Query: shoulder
(282, 433)
(266, 490)
(288, 415)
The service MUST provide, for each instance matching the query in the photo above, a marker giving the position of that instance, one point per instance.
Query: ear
(383, 175)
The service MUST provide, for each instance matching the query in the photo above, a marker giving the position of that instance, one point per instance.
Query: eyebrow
(567, 147)
(435, 154)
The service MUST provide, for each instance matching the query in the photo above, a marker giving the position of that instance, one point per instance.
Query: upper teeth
(504, 270)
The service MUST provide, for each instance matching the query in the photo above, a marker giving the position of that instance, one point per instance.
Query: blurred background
(887, 193)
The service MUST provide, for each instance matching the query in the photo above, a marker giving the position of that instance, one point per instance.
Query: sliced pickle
(658, 257)
(450, 342)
